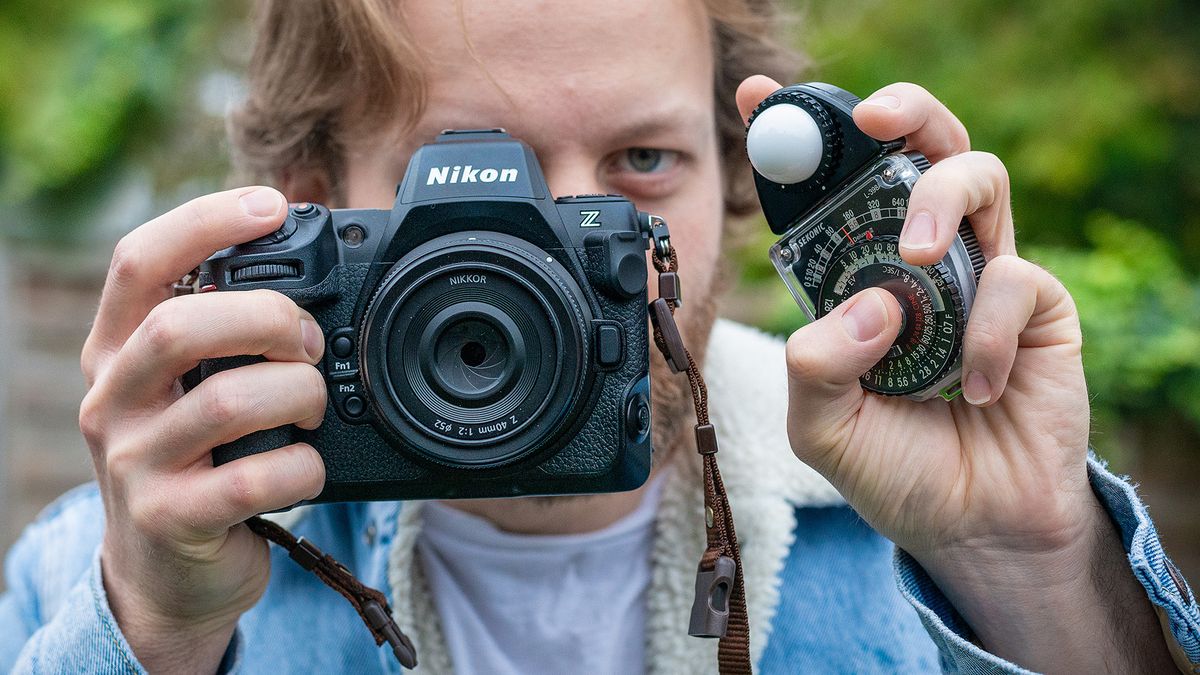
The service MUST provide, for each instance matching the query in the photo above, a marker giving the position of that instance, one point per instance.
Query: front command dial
(930, 338)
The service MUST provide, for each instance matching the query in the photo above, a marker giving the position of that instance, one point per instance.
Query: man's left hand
(989, 492)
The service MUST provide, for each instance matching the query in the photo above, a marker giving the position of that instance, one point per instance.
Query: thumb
(752, 91)
(824, 361)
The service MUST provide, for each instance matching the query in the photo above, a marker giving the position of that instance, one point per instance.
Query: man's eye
(648, 160)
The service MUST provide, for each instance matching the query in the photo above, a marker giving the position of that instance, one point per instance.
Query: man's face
(613, 97)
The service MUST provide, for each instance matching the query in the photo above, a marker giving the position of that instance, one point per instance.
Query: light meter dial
(852, 243)
(930, 338)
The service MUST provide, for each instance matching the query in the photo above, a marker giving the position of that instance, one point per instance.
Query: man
(1016, 549)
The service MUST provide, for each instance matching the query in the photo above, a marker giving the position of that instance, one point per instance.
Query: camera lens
(474, 350)
(471, 351)
(472, 358)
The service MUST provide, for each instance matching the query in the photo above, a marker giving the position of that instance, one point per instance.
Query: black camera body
(482, 338)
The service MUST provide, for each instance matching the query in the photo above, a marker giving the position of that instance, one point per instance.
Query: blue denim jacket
(842, 605)
(825, 592)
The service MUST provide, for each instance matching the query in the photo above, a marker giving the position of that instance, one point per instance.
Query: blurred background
(112, 112)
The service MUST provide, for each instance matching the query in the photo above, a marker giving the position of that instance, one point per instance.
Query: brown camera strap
(370, 604)
(719, 609)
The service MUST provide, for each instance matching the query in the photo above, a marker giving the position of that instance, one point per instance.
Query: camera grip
(259, 441)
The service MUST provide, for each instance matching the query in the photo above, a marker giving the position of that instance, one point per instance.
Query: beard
(670, 393)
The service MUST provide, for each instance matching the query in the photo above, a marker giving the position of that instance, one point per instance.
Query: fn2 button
(354, 406)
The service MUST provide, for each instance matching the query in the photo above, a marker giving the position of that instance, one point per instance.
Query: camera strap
(370, 604)
(719, 608)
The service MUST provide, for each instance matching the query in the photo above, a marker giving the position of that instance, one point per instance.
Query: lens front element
(470, 351)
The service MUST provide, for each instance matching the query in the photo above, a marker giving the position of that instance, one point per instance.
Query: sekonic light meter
(839, 198)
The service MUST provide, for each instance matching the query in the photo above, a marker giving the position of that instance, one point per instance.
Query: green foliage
(87, 88)
(1092, 105)
(1140, 314)
(1095, 109)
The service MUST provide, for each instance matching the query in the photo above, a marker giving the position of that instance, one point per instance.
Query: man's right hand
(178, 567)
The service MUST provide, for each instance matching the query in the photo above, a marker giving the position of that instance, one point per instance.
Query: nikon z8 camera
(483, 339)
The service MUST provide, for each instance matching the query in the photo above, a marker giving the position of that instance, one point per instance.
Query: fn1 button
(341, 346)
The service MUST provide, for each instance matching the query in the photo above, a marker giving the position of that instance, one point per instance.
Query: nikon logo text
(440, 175)
(468, 279)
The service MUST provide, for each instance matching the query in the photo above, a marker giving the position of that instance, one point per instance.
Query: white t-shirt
(528, 604)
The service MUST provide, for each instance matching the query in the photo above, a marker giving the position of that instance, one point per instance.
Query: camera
(483, 339)
(839, 199)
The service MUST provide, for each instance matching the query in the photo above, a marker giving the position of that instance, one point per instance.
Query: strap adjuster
(306, 554)
(710, 609)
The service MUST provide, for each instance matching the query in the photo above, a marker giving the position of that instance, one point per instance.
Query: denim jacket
(825, 592)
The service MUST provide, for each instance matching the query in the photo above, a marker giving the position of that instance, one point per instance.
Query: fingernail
(976, 388)
(889, 102)
(866, 318)
(314, 339)
(920, 232)
(261, 203)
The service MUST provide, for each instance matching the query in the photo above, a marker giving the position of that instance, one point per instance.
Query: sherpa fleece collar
(747, 384)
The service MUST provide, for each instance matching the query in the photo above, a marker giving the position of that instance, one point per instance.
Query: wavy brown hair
(308, 98)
